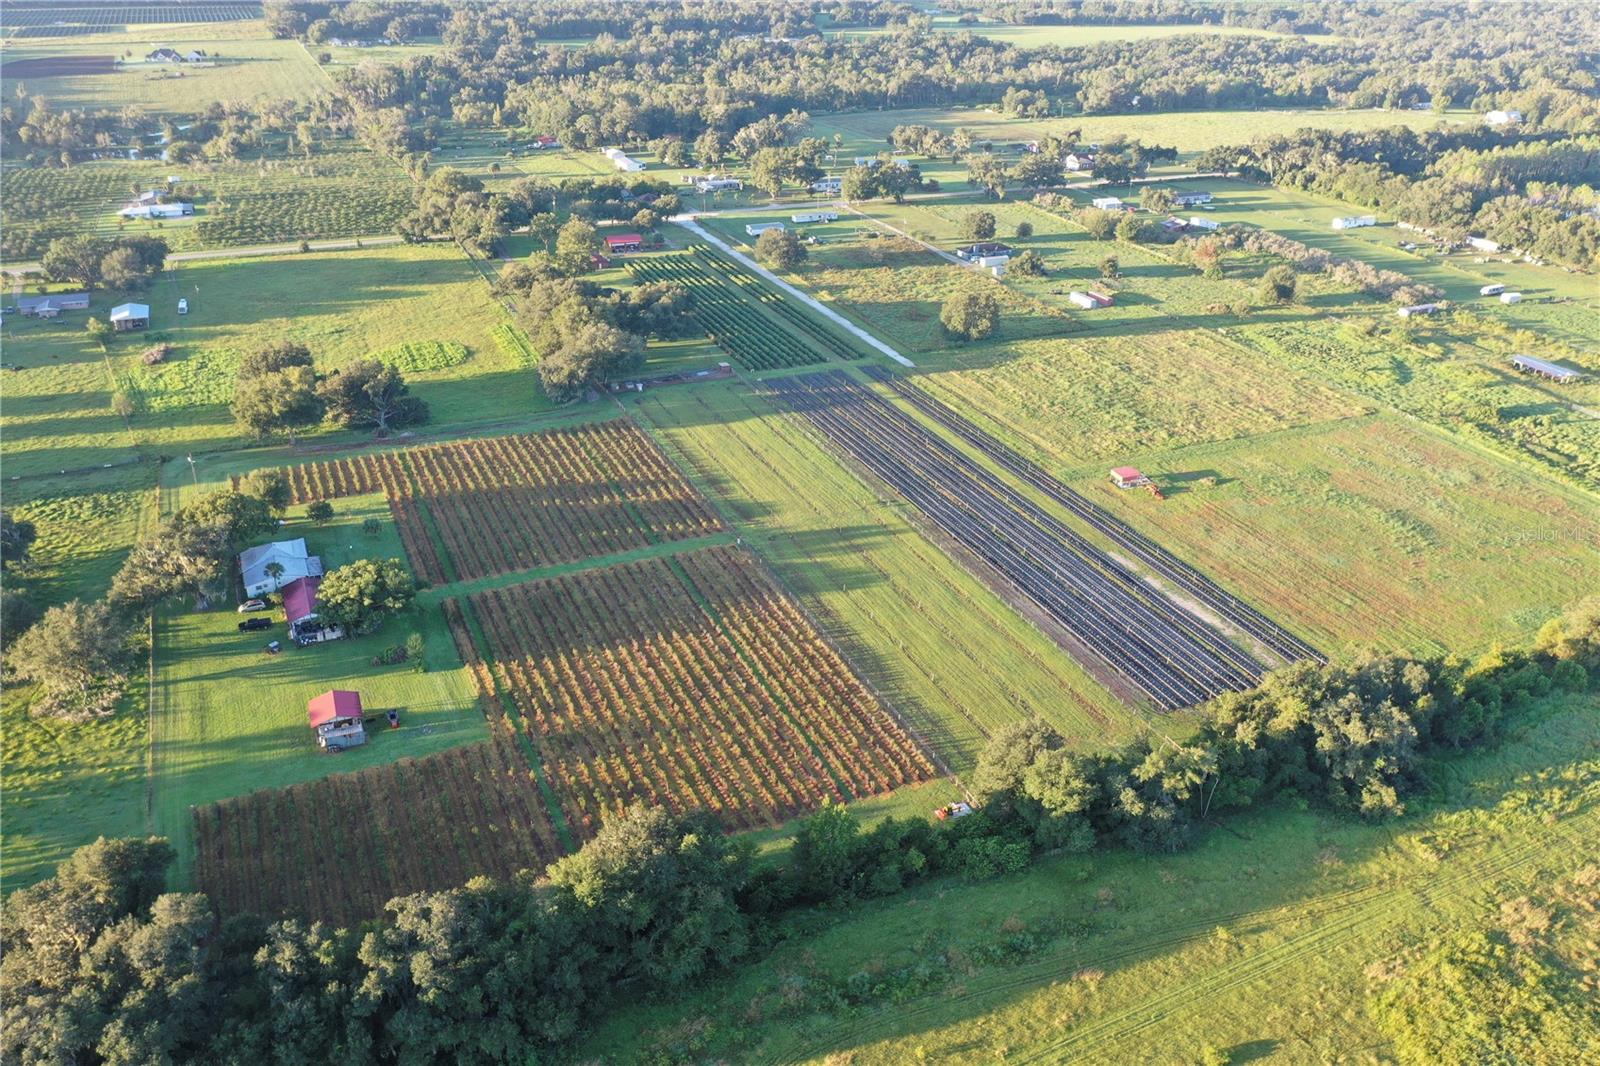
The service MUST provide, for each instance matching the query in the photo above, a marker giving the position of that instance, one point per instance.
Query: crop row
(1191, 581)
(339, 848)
(1172, 657)
(691, 683)
(753, 340)
(500, 504)
(727, 268)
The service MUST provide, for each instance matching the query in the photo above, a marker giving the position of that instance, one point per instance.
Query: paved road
(376, 241)
(688, 223)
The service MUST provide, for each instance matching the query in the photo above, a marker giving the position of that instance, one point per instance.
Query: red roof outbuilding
(622, 242)
(300, 598)
(332, 706)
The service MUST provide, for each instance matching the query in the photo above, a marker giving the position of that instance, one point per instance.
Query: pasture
(1373, 533)
(950, 656)
(235, 70)
(1263, 941)
(343, 305)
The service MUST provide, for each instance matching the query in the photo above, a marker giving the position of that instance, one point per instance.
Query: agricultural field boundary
(821, 308)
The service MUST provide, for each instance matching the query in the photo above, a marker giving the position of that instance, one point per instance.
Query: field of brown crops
(687, 682)
(475, 508)
(339, 848)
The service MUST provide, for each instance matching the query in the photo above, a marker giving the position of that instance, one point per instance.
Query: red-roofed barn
(624, 242)
(336, 717)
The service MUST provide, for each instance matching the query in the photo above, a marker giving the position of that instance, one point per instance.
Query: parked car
(183, 307)
(249, 606)
(250, 625)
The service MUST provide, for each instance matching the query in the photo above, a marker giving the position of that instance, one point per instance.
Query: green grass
(1374, 533)
(244, 71)
(1262, 940)
(67, 783)
(343, 305)
(950, 656)
(1191, 132)
(228, 719)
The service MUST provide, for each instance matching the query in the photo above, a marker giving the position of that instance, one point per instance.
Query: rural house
(291, 555)
(163, 55)
(52, 305)
(755, 229)
(1191, 199)
(1128, 477)
(1419, 309)
(983, 250)
(125, 317)
(336, 716)
(1077, 162)
(828, 185)
(300, 608)
(1355, 221)
(624, 242)
(712, 184)
(1108, 203)
(157, 210)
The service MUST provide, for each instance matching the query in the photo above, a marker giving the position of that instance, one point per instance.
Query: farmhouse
(52, 305)
(1128, 477)
(1077, 162)
(814, 216)
(300, 608)
(624, 242)
(1173, 224)
(1554, 371)
(1191, 199)
(621, 160)
(830, 185)
(717, 184)
(336, 716)
(157, 210)
(130, 316)
(1090, 301)
(163, 55)
(1419, 309)
(755, 229)
(1355, 221)
(544, 140)
(1200, 222)
(291, 555)
(1108, 203)
(983, 250)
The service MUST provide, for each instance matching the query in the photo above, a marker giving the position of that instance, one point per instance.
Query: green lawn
(242, 71)
(343, 305)
(1263, 940)
(228, 719)
(948, 654)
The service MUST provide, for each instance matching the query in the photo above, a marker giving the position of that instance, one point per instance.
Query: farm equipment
(1154, 490)
(959, 809)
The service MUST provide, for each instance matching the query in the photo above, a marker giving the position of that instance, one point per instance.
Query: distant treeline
(1534, 193)
(102, 966)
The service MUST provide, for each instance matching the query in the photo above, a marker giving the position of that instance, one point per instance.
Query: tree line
(1452, 183)
(102, 964)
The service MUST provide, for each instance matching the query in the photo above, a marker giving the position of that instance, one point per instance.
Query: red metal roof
(623, 239)
(300, 598)
(333, 705)
(1126, 473)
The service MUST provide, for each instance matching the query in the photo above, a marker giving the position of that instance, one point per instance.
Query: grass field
(227, 718)
(1263, 940)
(343, 305)
(238, 71)
(1191, 132)
(1371, 533)
(946, 653)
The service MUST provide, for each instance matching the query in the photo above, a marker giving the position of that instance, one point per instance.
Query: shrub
(156, 353)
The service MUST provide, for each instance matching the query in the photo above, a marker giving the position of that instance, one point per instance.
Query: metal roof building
(1554, 371)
